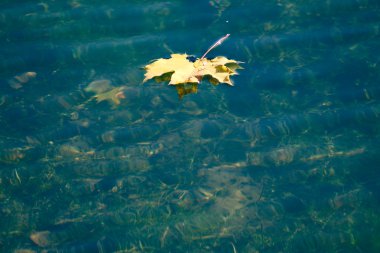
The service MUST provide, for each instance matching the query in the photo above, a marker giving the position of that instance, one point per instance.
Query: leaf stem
(220, 41)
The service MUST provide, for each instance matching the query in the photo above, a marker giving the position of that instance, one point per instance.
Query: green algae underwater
(286, 160)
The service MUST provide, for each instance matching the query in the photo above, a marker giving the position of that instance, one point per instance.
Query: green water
(287, 160)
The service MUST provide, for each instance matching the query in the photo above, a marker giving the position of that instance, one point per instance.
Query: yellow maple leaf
(186, 74)
(184, 71)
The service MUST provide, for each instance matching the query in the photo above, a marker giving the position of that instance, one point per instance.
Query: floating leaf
(186, 74)
(181, 70)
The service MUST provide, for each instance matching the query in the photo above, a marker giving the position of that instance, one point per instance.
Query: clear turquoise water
(287, 160)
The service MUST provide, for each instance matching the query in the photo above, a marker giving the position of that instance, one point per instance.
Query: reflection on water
(285, 161)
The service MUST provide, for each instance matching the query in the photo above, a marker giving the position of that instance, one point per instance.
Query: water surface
(287, 160)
